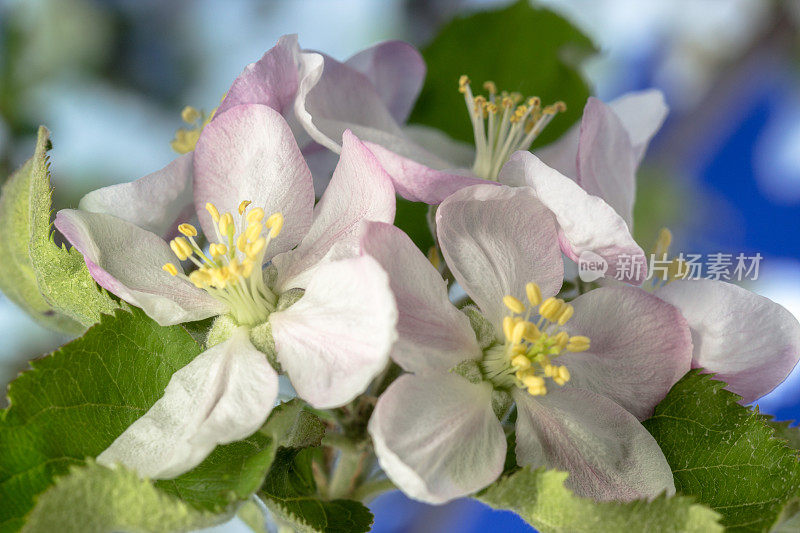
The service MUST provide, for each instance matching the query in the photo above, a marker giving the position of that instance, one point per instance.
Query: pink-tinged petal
(333, 97)
(126, 261)
(749, 341)
(271, 81)
(322, 163)
(225, 394)
(417, 181)
(437, 438)
(606, 159)
(337, 337)
(640, 347)
(396, 70)
(432, 334)
(497, 239)
(609, 455)
(157, 202)
(642, 113)
(359, 191)
(561, 155)
(456, 154)
(586, 222)
(249, 153)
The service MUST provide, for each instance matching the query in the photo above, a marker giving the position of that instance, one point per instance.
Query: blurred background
(109, 79)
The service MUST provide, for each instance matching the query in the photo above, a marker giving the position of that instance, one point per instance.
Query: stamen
(170, 268)
(500, 128)
(186, 138)
(188, 230)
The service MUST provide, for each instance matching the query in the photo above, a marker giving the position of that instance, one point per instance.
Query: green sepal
(484, 330)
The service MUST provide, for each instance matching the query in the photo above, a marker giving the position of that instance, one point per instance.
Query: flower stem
(348, 467)
(372, 489)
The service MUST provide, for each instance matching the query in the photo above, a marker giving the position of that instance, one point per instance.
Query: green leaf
(290, 493)
(540, 498)
(787, 432)
(520, 48)
(95, 499)
(412, 218)
(724, 454)
(76, 401)
(50, 282)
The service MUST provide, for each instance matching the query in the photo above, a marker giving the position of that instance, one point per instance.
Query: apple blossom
(320, 312)
(581, 375)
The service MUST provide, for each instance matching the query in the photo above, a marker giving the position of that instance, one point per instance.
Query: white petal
(749, 341)
(225, 394)
(126, 261)
(433, 334)
(609, 455)
(157, 202)
(457, 154)
(587, 223)
(359, 191)
(437, 438)
(495, 240)
(642, 113)
(249, 153)
(640, 347)
(338, 336)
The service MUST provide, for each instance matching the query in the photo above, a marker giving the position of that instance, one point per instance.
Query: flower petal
(749, 341)
(359, 191)
(225, 394)
(640, 347)
(437, 438)
(642, 113)
(609, 455)
(333, 97)
(157, 202)
(396, 70)
(432, 334)
(338, 336)
(587, 223)
(457, 154)
(271, 81)
(249, 153)
(127, 260)
(606, 159)
(497, 239)
(414, 171)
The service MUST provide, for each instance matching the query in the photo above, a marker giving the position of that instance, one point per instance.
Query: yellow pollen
(566, 313)
(253, 231)
(508, 327)
(275, 224)
(186, 138)
(255, 248)
(518, 332)
(255, 215)
(578, 343)
(226, 224)
(212, 210)
(188, 230)
(169, 267)
(534, 293)
(513, 304)
(243, 206)
(241, 242)
(181, 248)
(189, 114)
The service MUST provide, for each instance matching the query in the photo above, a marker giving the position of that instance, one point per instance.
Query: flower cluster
(331, 295)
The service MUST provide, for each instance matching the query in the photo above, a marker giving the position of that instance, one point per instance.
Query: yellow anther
(513, 304)
(189, 114)
(253, 231)
(566, 313)
(561, 339)
(508, 327)
(235, 268)
(226, 224)
(255, 215)
(532, 332)
(490, 86)
(218, 250)
(537, 391)
(551, 308)
(241, 242)
(521, 362)
(200, 278)
(275, 224)
(170, 268)
(534, 101)
(563, 372)
(212, 210)
(518, 332)
(549, 370)
(663, 243)
(507, 102)
(247, 268)
(491, 107)
(243, 206)
(532, 380)
(185, 140)
(534, 293)
(181, 248)
(578, 343)
(561, 375)
(188, 230)
(433, 257)
(463, 82)
(256, 247)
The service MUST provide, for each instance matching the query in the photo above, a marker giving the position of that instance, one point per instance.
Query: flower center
(503, 125)
(230, 270)
(186, 138)
(525, 359)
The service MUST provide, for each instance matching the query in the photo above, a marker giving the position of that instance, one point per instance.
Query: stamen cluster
(530, 346)
(231, 268)
(502, 124)
(186, 138)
